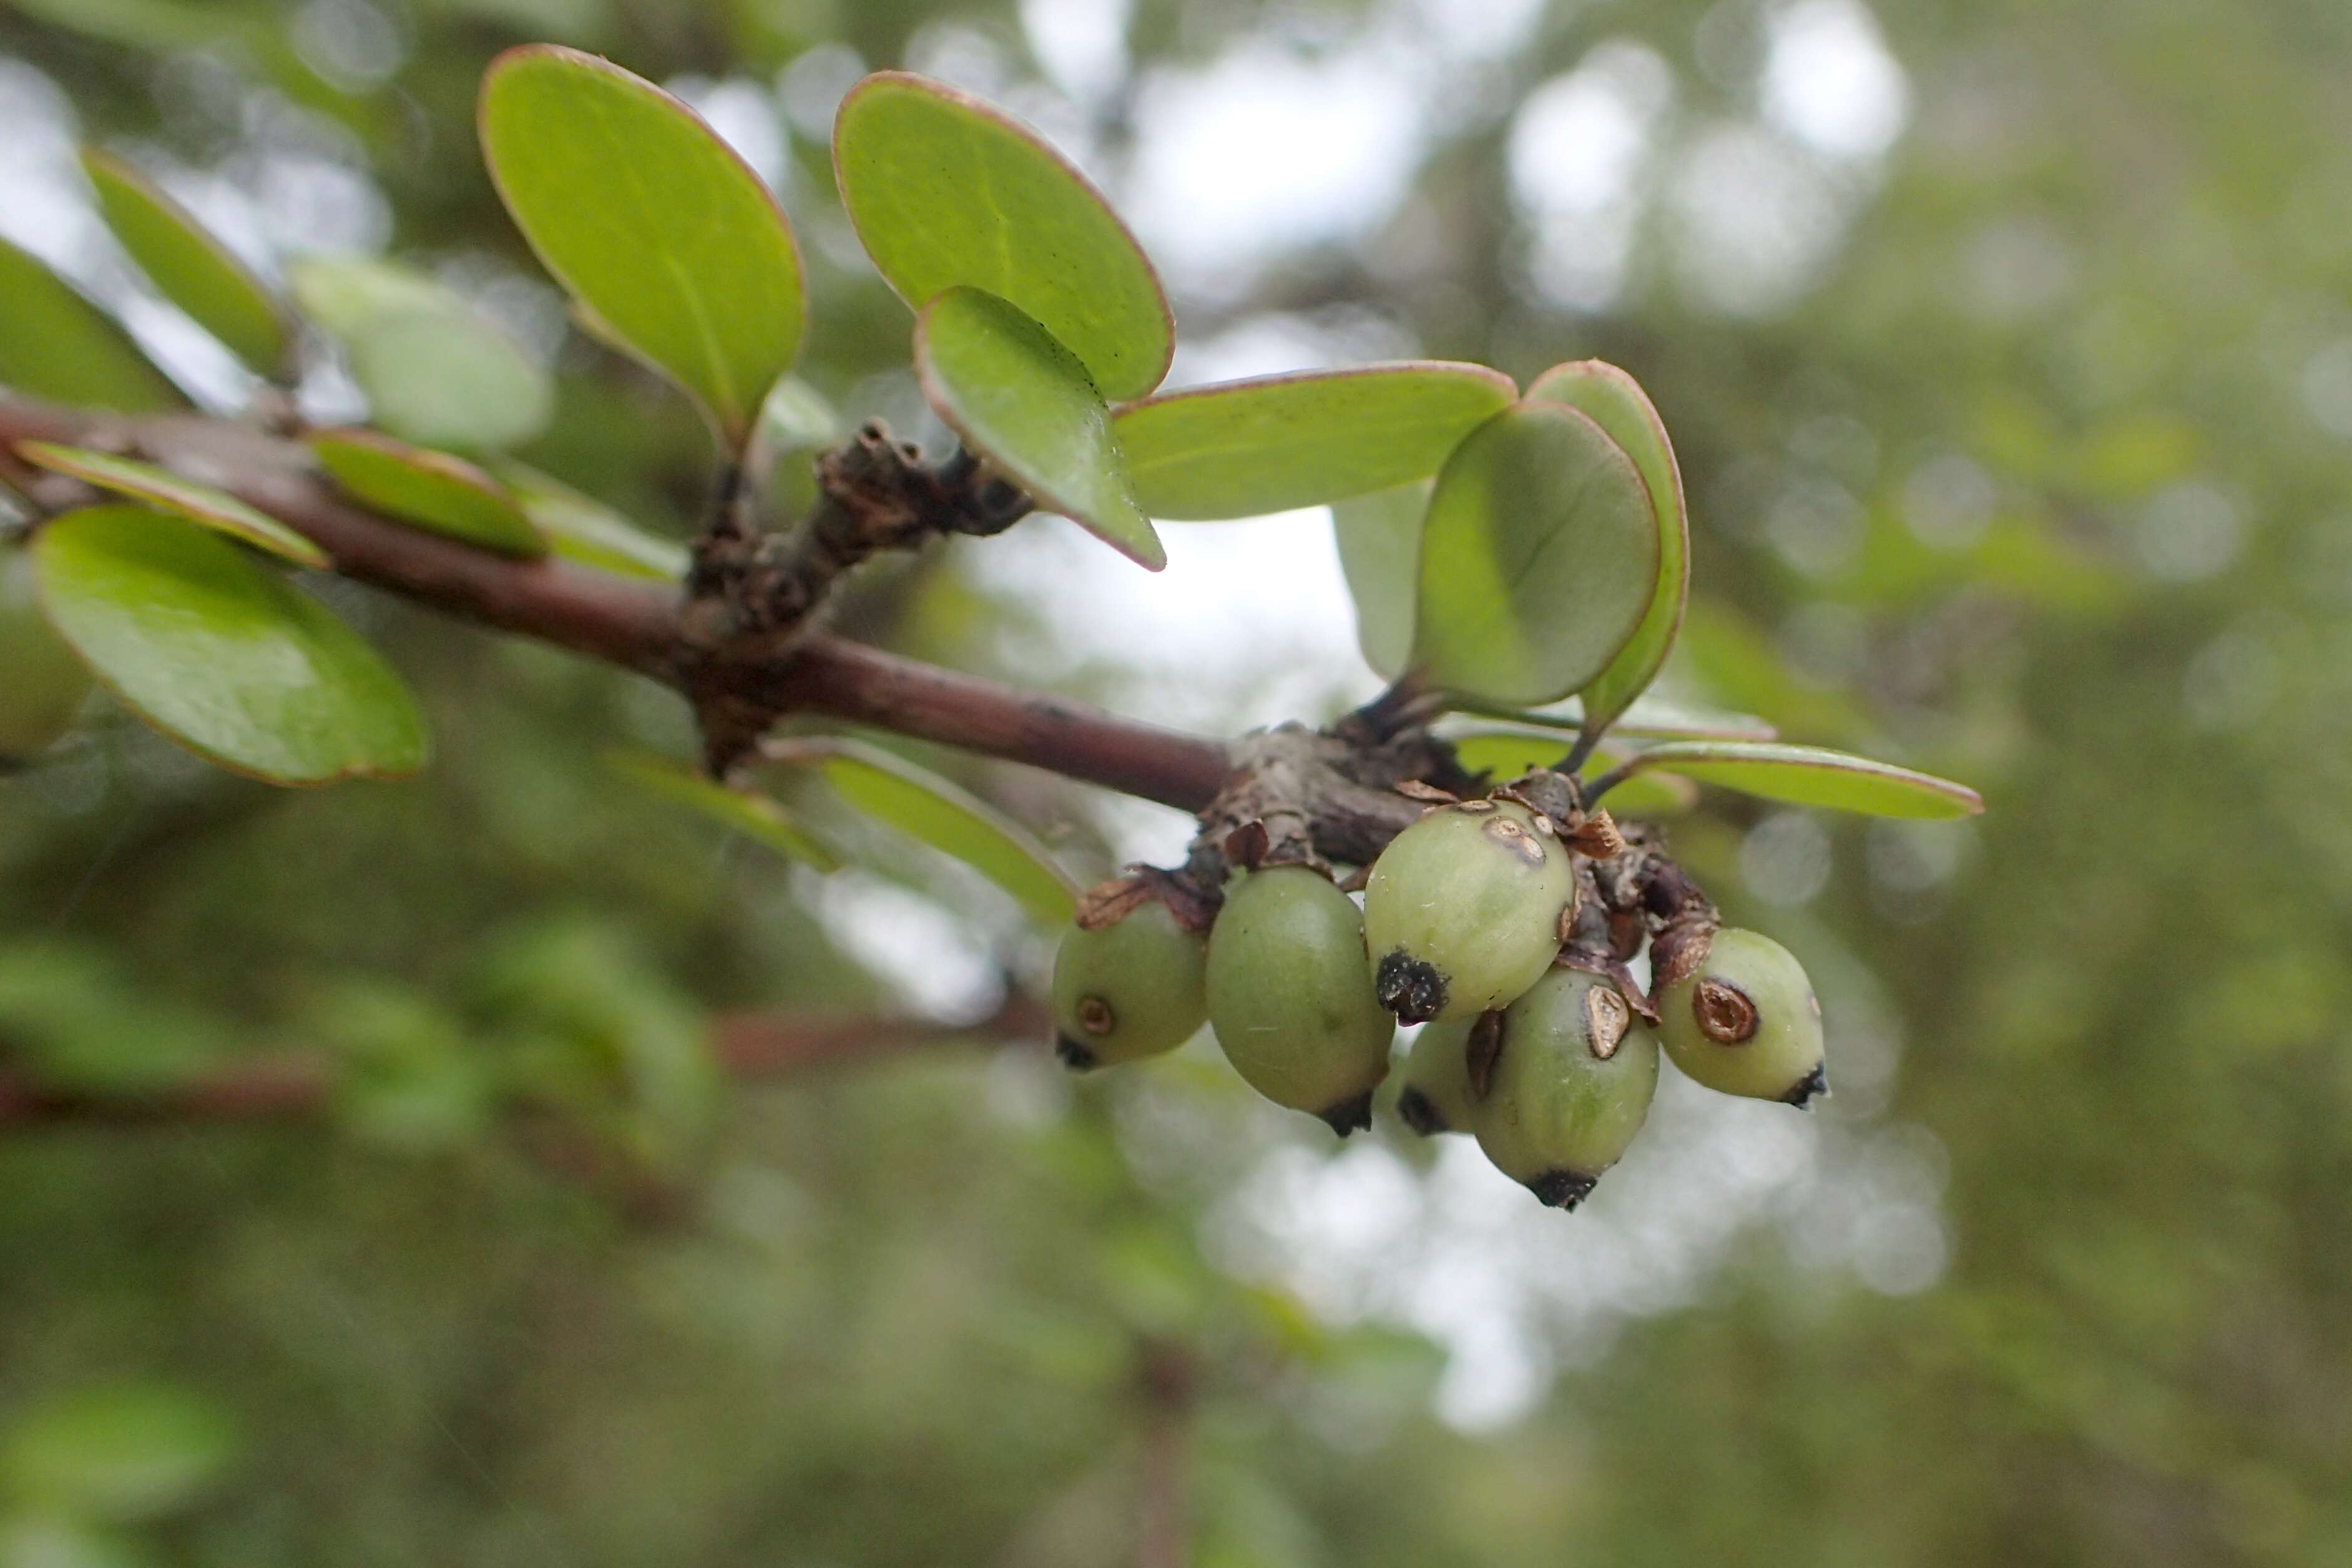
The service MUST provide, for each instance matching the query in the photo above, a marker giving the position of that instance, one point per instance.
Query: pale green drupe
(1462, 911)
(1289, 998)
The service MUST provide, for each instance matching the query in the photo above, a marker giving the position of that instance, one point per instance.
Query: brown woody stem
(640, 624)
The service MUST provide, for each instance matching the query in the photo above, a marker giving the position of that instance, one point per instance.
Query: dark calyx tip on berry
(1418, 1111)
(1814, 1084)
(1562, 1189)
(1410, 987)
(1350, 1115)
(1077, 1055)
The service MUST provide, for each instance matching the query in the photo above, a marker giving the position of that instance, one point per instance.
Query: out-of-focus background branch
(2007, 349)
(749, 1048)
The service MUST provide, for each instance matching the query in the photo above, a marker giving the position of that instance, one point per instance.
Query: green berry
(1128, 990)
(1436, 1093)
(1288, 996)
(1462, 911)
(1571, 1088)
(42, 684)
(1746, 1021)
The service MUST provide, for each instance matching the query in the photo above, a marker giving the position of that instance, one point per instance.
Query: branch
(258, 1091)
(756, 1046)
(1168, 1376)
(849, 681)
(750, 1048)
(639, 625)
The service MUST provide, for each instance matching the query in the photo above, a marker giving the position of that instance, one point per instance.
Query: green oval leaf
(442, 378)
(189, 265)
(435, 370)
(167, 491)
(1380, 554)
(1615, 401)
(1539, 557)
(1020, 400)
(344, 293)
(1806, 775)
(949, 818)
(54, 344)
(124, 1451)
(433, 489)
(584, 529)
(946, 190)
(639, 209)
(1242, 449)
(221, 654)
(755, 816)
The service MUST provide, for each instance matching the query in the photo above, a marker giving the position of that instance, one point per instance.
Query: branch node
(758, 593)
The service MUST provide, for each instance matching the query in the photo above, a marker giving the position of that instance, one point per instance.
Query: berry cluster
(1506, 925)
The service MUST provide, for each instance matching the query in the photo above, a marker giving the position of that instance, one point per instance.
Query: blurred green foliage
(2034, 473)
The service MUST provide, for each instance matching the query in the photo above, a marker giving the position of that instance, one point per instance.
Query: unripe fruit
(1463, 910)
(42, 684)
(1288, 996)
(1572, 1086)
(1746, 1021)
(1128, 990)
(1436, 1093)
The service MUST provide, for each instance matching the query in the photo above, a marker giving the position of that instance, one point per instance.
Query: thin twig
(750, 1048)
(1170, 1377)
(1611, 778)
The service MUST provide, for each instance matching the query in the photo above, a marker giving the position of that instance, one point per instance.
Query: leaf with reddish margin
(432, 489)
(649, 218)
(1023, 401)
(190, 268)
(947, 191)
(167, 491)
(221, 654)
